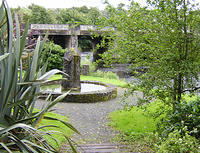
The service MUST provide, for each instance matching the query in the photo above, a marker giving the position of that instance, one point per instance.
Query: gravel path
(91, 119)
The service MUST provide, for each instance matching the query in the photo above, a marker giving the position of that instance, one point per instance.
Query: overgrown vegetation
(185, 115)
(164, 40)
(177, 142)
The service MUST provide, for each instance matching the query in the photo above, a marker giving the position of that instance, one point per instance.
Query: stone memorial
(71, 66)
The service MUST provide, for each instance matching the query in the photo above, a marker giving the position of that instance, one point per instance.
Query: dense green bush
(176, 129)
(54, 54)
(184, 114)
(176, 142)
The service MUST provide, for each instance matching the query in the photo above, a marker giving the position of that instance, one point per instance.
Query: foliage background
(54, 55)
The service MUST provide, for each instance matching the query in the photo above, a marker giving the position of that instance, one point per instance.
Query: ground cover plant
(177, 142)
(133, 121)
(19, 89)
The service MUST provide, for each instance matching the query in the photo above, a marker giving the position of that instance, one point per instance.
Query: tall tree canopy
(76, 15)
(39, 15)
(165, 40)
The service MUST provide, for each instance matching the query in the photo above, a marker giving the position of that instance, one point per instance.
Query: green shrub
(54, 54)
(183, 114)
(178, 143)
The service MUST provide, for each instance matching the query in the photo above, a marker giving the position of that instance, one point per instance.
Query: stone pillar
(77, 71)
(71, 66)
(73, 42)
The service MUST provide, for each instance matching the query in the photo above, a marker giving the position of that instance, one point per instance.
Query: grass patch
(142, 120)
(62, 128)
(117, 82)
(132, 122)
(56, 77)
(136, 126)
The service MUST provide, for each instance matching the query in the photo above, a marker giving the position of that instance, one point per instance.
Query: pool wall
(87, 97)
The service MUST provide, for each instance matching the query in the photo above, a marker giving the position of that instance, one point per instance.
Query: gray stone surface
(73, 42)
(91, 118)
(71, 66)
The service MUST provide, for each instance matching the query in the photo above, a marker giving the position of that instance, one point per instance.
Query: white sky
(68, 3)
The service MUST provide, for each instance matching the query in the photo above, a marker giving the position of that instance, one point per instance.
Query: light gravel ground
(91, 119)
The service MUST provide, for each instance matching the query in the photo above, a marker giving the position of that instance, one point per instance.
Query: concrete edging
(87, 97)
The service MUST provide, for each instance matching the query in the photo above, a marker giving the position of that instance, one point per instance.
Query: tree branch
(192, 89)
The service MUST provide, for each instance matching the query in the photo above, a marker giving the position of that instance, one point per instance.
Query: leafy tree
(72, 16)
(82, 9)
(39, 15)
(165, 41)
(85, 43)
(79, 15)
(76, 15)
(53, 15)
(93, 16)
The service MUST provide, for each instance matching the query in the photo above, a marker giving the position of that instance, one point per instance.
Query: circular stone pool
(85, 87)
(91, 91)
